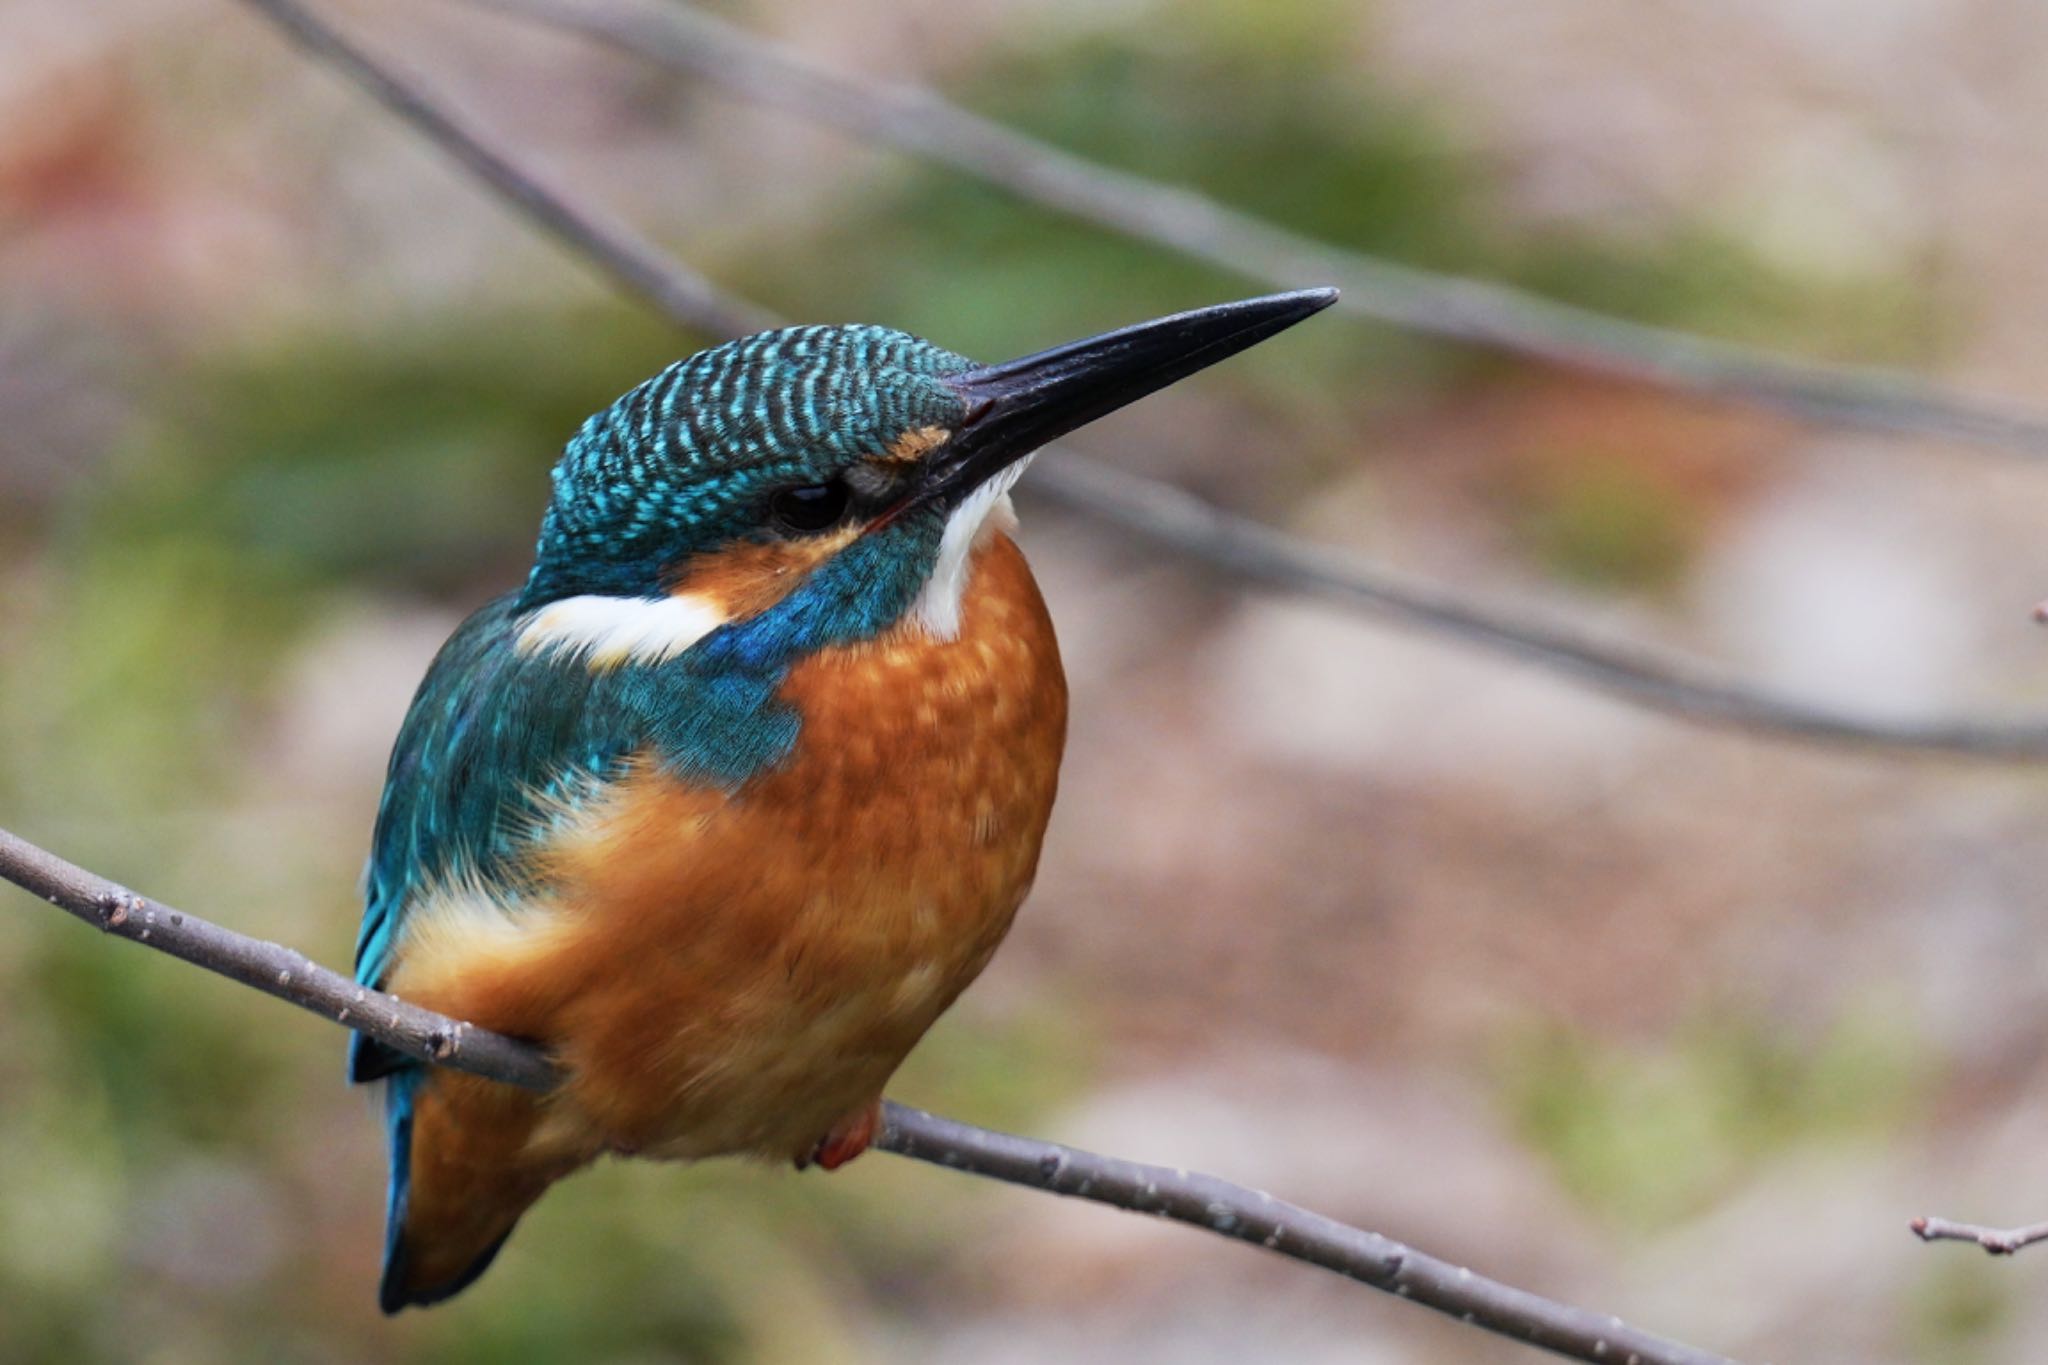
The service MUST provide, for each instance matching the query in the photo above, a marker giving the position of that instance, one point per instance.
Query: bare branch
(1171, 517)
(635, 263)
(1198, 1200)
(1639, 676)
(1253, 1216)
(270, 967)
(1997, 1241)
(1450, 307)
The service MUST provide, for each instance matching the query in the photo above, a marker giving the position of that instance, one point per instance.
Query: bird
(744, 785)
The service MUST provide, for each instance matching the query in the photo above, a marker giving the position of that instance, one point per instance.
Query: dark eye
(810, 507)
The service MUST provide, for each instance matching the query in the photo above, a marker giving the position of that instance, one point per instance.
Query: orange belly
(734, 973)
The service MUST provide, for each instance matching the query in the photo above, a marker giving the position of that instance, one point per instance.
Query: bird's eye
(810, 507)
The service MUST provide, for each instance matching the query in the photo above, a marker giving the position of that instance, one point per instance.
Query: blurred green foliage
(1957, 1314)
(1647, 1134)
(1607, 523)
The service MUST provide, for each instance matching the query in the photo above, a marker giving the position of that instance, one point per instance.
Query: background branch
(1449, 307)
(1170, 516)
(630, 259)
(1198, 1200)
(1997, 1241)
(1639, 676)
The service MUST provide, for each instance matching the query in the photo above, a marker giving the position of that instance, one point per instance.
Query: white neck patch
(609, 631)
(985, 514)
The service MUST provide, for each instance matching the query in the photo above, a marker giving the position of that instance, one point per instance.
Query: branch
(1172, 517)
(271, 968)
(1997, 1241)
(1188, 1197)
(1248, 1215)
(630, 259)
(1450, 307)
(1651, 679)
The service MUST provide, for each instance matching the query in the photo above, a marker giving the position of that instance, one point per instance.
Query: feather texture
(720, 965)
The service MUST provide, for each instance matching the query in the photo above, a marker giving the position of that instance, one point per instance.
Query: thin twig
(1253, 1216)
(1198, 1200)
(271, 968)
(635, 263)
(1172, 517)
(1997, 1241)
(1642, 677)
(1451, 307)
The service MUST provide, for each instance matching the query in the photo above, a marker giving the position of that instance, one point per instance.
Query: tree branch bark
(1201, 1201)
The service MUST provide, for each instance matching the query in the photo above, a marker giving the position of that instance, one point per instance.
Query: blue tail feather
(394, 1290)
(399, 1091)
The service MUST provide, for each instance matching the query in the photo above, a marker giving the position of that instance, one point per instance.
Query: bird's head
(822, 483)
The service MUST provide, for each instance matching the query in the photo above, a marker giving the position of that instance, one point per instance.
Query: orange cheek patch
(747, 579)
(912, 446)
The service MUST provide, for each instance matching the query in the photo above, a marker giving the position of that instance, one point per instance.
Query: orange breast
(735, 973)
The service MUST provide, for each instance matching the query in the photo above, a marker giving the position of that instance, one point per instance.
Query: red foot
(846, 1139)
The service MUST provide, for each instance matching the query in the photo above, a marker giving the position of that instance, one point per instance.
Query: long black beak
(1017, 406)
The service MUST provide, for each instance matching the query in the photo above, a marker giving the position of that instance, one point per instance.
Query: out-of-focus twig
(1451, 307)
(1997, 1241)
(641, 267)
(1642, 677)
(1189, 1197)
(1172, 517)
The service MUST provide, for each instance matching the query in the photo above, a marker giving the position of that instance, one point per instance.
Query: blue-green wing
(498, 739)
(487, 728)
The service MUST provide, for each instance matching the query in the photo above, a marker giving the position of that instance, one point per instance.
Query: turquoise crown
(683, 462)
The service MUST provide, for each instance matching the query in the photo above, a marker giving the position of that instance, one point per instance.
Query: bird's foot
(846, 1139)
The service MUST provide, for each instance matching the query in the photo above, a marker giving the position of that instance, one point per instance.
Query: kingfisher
(728, 802)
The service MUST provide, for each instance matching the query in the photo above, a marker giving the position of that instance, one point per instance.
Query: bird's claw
(846, 1139)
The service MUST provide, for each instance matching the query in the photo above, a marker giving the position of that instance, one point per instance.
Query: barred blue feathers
(680, 463)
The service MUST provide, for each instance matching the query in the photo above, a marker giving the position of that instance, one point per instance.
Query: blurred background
(1673, 1023)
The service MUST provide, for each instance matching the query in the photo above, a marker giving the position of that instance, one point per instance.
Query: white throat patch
(985, 514)
(610, 631)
